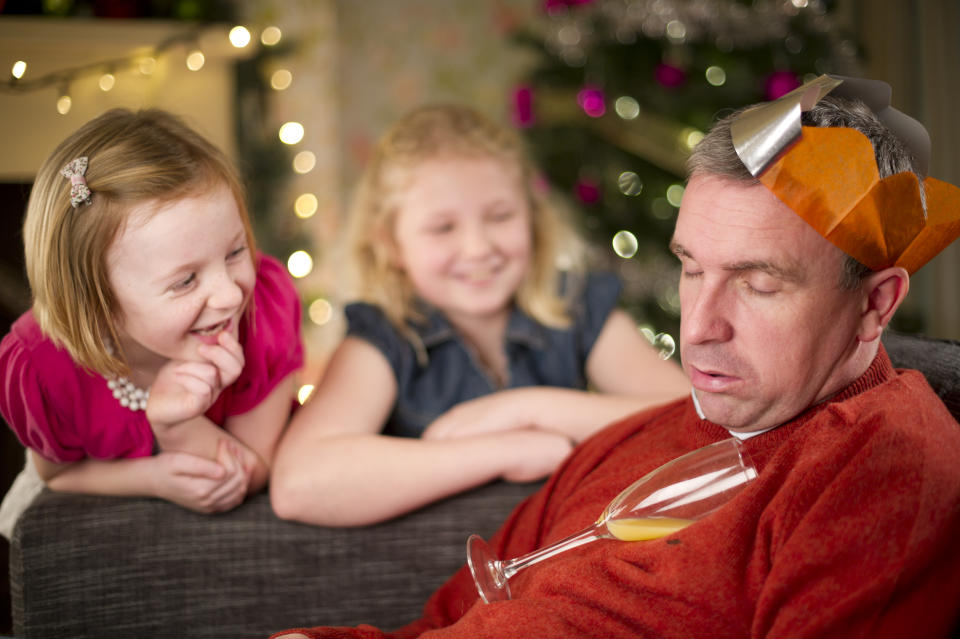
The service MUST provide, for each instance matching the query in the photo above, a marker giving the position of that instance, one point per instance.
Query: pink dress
(66, 413)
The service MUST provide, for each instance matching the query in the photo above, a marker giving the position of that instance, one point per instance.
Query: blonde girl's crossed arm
(334, 467)
(625, 373)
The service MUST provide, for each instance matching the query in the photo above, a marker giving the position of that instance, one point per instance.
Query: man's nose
(705, 315)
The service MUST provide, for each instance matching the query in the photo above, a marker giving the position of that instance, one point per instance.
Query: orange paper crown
(829, 177)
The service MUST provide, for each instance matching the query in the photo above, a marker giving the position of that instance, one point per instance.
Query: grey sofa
(83, 566)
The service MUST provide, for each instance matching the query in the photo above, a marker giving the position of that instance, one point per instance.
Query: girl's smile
(208, 334)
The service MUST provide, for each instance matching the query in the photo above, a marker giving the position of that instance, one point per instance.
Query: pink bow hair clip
(79, 191)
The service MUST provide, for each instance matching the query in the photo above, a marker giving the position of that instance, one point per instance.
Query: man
(851, 528)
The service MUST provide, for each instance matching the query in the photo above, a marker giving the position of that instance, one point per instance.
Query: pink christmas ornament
(592, 100)
(670, 76)
(780, 83)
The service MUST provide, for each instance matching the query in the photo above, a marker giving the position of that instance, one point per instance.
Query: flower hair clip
(79, 191)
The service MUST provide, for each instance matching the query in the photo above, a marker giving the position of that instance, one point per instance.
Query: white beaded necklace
(126, 392)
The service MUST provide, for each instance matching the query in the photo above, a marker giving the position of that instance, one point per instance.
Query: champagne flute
(661, 502)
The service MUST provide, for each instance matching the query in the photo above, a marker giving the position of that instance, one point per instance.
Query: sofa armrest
(85, 566)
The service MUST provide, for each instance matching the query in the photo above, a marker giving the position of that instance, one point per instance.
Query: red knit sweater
(852, 530)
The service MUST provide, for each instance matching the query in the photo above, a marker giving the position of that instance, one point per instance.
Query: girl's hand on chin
(182, 391)
(226, 355)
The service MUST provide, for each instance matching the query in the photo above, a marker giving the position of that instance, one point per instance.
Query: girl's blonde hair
(133, 157)
(452, 131)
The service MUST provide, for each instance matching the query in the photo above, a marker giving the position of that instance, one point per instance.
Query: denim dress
(537, 355)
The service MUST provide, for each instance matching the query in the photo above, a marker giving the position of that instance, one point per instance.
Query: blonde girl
(158, 355)
(469, 351)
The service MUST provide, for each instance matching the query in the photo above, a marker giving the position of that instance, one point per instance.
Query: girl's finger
(196, 386)
(230, 492)
(203, 371)
(229, 342)
(195, 466)
(228, 367)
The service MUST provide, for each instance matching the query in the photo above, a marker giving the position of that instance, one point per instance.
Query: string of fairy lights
(186, 46)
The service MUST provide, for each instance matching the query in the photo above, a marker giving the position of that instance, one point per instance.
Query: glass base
(490, 581)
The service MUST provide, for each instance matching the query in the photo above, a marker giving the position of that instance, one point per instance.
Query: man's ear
(883, 292)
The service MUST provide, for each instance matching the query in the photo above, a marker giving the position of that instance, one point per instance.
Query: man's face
(765, 327)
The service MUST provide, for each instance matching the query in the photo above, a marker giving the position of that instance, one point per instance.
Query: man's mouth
(710, 380)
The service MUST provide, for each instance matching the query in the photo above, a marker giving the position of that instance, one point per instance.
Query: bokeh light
(19, 68)
(625, 244)
(626, 107)
(665, 344)
(630, 183)
(690, 137)
(320, 311)
(107, 80)
(591, 100)
(147, 65)
(675, 194)
(281, 79)
(291, 132)
(303, 393)
(239, 37)
(195, 60)
(63, 104)
(270, 36)
(305, 205)
(299, 264)
(676, 31)
(661, 209)
(669, 76)
(716, 76)
(587, 190)
(304, 161)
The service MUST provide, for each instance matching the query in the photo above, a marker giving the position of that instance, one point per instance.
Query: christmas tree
(623, 89)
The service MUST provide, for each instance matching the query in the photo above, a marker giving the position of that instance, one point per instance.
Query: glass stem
(511, 567)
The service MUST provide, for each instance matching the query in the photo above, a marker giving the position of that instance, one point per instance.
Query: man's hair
(449, 132)
(133, 158)
(715, 155)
